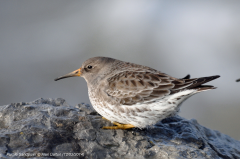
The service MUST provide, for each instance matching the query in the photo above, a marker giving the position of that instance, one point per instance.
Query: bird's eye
(89, 67)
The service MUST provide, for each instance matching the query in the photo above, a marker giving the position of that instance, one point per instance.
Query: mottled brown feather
(143, 86)
(136, 87)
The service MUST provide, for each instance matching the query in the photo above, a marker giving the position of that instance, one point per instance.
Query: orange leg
(118, 126)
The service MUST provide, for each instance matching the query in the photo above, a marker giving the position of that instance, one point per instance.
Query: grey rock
(50, 128)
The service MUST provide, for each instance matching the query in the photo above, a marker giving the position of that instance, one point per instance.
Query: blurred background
(42, 40)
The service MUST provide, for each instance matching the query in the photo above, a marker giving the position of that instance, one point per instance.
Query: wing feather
(131, 87)
(137, 87)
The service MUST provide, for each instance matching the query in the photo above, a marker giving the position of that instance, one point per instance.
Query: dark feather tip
(187, 77)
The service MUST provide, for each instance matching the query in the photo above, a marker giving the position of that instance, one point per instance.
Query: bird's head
(93, 69)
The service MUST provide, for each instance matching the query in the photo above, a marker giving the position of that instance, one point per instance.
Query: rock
(50, 128)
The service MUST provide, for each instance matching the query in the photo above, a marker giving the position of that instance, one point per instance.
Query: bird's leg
(119, 126)
(105, 119)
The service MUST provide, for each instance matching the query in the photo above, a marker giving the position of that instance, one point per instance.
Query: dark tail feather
(195, 83)
(186, 77)
(199, 81)
(205, 88)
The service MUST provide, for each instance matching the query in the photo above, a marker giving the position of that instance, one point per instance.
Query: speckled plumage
(128, 93)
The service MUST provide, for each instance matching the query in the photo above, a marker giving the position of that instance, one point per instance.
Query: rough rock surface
(50, 128)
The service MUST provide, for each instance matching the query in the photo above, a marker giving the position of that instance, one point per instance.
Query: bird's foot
(118, 126)
(105, 118)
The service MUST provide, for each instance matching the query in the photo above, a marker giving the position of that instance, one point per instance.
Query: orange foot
(119, 126)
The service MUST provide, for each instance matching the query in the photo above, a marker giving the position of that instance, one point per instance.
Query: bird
(135, 96)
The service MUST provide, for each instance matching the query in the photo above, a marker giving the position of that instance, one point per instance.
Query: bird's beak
(72, 74)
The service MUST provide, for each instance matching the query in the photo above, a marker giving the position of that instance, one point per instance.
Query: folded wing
(129, 88)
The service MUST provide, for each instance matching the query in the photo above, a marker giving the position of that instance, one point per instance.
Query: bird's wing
(129, 87)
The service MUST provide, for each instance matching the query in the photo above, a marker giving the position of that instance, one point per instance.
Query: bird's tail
(195, 83)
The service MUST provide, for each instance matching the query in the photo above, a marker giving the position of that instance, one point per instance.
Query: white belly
(141, 114)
